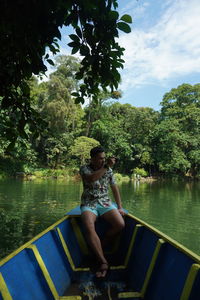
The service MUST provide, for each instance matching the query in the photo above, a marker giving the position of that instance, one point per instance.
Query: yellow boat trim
(7, 258)
(70, 298)
(68, 253)
(129, 295)
(168, 239)
(4, 289)
(130, 248)
(81, 241)
(159, 244)
(121, 267)
(44, 271)
(190, 281)
(153, 229)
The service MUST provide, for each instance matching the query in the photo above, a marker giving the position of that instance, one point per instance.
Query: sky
(162, 50)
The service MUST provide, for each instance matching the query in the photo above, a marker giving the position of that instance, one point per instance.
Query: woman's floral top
(96, 192)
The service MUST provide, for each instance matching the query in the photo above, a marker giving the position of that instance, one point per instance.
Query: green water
(28, 207)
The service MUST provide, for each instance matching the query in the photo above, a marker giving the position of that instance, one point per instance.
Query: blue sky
(162, 51)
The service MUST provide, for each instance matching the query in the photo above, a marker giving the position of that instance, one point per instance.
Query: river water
(28, 207)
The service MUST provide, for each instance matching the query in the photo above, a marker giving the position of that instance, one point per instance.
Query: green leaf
(84, 50)
(124, 27)
(53, 49)
(74, 37)
(117, 64)
(50, 62)
(82, 87)
(25, 88)
(73, 44)
(79, 75)
(117, 76)
(58, 34)
(115, 4)
(57, 45)
(74, 50)
(79, 33)
(79, 100)
(113, 15)
(126, 18)
(75, 94)
(11, 146)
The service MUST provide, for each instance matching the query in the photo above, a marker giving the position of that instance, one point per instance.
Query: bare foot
(102, 270)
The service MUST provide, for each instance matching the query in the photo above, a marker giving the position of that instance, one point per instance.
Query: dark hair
(94, 151)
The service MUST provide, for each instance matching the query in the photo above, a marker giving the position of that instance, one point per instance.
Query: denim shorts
(99, 210)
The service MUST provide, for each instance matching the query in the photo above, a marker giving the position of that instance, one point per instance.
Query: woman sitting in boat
(95, 202)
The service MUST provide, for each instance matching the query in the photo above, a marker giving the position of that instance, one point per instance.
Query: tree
(138, 124)
(29, 28)
(98, 108)
(108, 131)
(81, 148)
(169, 147)
(178, 133)
(58, 107)
(63, 117)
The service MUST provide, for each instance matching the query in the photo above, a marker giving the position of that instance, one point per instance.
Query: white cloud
(136, 8)
(169, 49)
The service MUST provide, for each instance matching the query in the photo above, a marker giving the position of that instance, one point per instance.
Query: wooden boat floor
(108, 294)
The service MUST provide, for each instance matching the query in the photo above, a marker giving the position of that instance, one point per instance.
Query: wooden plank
(127, 295)
(152, 265)
(44, 271)
(190, 281)
(66, 250)
(70, 298)
(81, 241)
(130, 248)
(4, 289)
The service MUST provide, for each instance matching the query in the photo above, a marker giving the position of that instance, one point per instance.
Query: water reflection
(28, 207)
(173, 208)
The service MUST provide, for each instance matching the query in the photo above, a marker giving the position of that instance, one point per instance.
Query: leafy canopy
(29, 28)
(81, 148)
(177, 136)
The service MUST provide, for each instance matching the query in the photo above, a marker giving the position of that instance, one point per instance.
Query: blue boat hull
(57, 264)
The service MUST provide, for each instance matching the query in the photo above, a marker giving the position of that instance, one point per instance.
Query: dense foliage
(144, 140)
(29, 29)
(177, 136)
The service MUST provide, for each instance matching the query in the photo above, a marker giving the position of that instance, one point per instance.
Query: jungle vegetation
(43, 123)
(30, 30)
(165, 142)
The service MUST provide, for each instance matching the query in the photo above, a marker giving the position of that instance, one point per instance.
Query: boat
(57, 265)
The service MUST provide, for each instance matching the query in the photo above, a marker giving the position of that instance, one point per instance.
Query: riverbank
(72, 173)
(67, 174)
